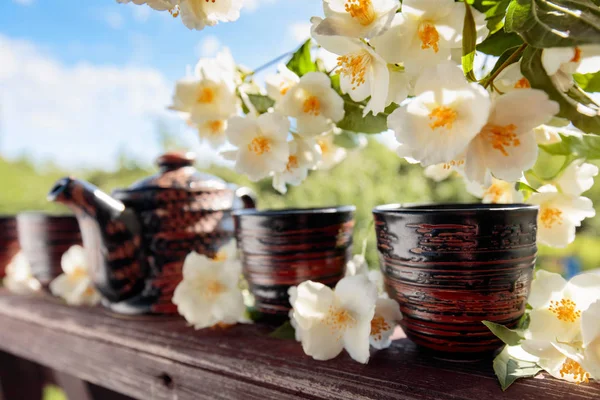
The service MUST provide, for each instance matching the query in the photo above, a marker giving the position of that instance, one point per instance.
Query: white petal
(311, 302)
(553, 58)
(584, 289)
(356, 341)
(577, 178)
(74, 259)
(358, 295)
(321, 342)
(590, 324)
(545, 287)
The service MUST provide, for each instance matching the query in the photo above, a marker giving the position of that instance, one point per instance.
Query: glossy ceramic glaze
(283, 248)
(9, 241)
(138, 238)
(44, 239)
(452, 266)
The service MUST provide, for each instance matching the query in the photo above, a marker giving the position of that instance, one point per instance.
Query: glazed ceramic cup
(283, 248)
(9, 242)
(43, 239)
(452, 266)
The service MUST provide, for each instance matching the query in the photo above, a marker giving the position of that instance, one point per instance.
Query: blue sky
(82, 80)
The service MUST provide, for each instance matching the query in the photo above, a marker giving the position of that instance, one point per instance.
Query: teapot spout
(112, 237)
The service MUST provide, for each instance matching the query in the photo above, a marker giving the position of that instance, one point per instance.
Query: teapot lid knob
(176, 159)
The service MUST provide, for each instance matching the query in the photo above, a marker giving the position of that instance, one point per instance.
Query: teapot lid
(176, 171)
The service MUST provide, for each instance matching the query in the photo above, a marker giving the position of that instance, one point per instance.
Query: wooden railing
(155, 357)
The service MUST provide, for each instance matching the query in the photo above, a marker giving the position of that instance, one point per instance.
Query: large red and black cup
(283, 248)
(453, 266)
(9, 241)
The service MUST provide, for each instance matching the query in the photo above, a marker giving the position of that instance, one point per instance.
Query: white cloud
(300, 31)
(80, 115)
(253, 5)
(24, 2)
(208, 47)
(113, 19)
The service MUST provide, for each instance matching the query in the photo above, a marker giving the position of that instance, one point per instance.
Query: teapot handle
(247, 196)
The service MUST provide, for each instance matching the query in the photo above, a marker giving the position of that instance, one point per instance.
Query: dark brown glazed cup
(452, 266)
(44, 239)
(283, 248)
(9, 241)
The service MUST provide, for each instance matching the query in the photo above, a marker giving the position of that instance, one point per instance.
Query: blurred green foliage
(366, 178)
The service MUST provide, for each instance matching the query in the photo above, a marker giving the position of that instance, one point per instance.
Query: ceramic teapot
(138, 238)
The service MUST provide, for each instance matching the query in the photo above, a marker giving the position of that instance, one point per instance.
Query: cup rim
(294, 211)
(451, 208)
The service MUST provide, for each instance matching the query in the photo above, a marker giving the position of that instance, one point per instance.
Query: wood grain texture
(159, 357)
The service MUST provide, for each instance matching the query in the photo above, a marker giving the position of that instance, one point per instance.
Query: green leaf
(347, 140)
(261, 102)
(508, 336)
(503, 58)
(494, 12)
(588, 82)
(508, 369)
(285, 331)
(587, 147)
(532, 69)
(468, 43)
(521, 186)
(355, 122)
(499, 42)
(554, 23)
(301, 62)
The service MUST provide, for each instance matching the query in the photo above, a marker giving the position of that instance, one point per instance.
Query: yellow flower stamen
(292, 163)
(312, 106)
(174, 11)
(216, 127)
(284, 87)
(572, 367)
(522, 83)
(205, 95)
(577, 55)
(565, 310)
(212, 289)
(550, 216)
(453, 163)
(355, 67)
(220, 256)
(362, 10)
(502, 137)
(430, 38)
(378, 326)
(442, 116)
(339, 319)
(260, 145)
(496, 192)
(77, 274)
(324, 146)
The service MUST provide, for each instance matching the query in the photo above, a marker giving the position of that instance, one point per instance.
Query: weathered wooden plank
(161, 357)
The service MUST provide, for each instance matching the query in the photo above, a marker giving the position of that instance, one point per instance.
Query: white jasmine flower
(499, 192)
(425, 32)
(228, 252)
(159, 5)
(561, 63)
(196, 14)
(357, 18)
(556, 330)
(222, 67)
(363, 72)
(304, 155)
(75, 285)
(262, 144)
(213, 132)
(401, 84)
(383, 324)
(559, 216)
(19, 278)
(330, 321)
(506, 145)
(313, 103)
(577, 178)
(279, 84)
(209, 294)
(206, 97)
(510, 79)
(331, 154)
(447, 112)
